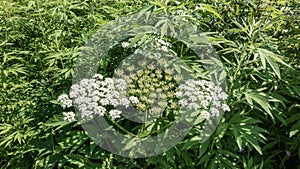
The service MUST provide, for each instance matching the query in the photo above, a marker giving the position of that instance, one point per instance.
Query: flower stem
(119, 126)
(145, 119)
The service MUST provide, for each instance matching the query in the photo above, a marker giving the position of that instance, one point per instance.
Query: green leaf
(81, 161)
(136, 38)
(295, 129)
(261, 99)
(73, 139)
(209, 8)
(252, 141)
(271, 58)
(221, 130)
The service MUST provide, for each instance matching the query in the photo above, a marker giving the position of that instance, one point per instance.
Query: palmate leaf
(271, 58)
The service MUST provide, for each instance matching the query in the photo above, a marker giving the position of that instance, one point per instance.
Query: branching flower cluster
(154, 90)
(93, 97)
(202, 95)
(148, 87)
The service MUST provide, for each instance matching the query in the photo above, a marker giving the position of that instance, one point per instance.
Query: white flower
(87, 114)
(216, 103)
(200, 83)
(138, 51)
(67, 104)
(114, 114)
(79, 100)
(188, 93)
(121, 84)
(98, 77)
(72, 94)
(182, 87)
(81, 92)
(125, 44)
(223, 95)
(75, 87)
(84, 82)
(217, 89)
(63, 97)
(211, 85)
(114, 102)
(178, 94)
(65, 101)
(124, 102)
(183, 102)
(95, 98)
(161, 41)
(94, 85)
(205, 103)
(104, 102)
(93, 105)
(191, 84)
(82, 108)
(134, 100)
(109, 81)
(194, 106)
(74, 90)
(209, 98)
(115, 94)
(109, 96)
(193, 98)
(103, 90)
(101, 83)
(205, 114)
(100, 111)
(69, 116)
(214, 112)
(214, 96)
(164, 48)
(225, 107)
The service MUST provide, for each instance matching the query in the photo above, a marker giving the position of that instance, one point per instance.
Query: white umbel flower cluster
(65, 101)
(114, 114)
(69, 116)
(92, 96)
(202, 95)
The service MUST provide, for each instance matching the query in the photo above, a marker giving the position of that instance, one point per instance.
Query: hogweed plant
(148, 92)
(256, 40)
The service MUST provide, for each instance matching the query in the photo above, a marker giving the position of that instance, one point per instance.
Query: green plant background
(257, 41)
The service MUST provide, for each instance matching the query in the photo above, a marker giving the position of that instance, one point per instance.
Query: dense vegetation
(257, 41)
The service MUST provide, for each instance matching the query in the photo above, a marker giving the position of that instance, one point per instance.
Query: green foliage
(257, 41)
